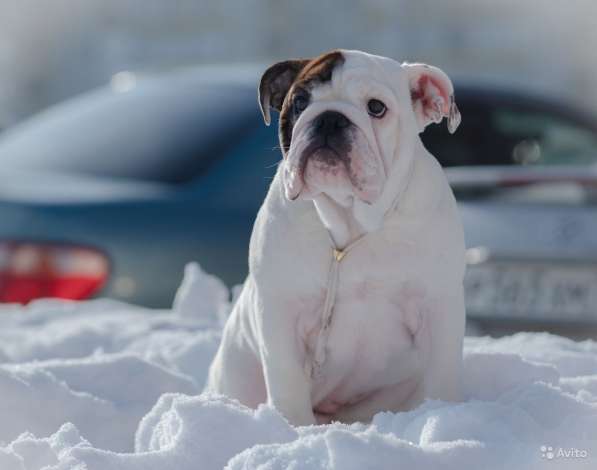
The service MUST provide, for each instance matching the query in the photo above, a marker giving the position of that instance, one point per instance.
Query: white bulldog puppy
(354, 299)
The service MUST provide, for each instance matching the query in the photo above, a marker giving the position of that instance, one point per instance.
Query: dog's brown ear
(432, 96)
(275, 83)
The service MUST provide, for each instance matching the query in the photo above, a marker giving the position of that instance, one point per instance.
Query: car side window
(543, 139)
(507, 135)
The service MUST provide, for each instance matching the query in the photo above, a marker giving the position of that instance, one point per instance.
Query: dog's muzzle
(330, 141)
(331, 155)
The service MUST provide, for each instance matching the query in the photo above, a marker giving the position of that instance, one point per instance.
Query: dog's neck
(339, 221)
(346, 224)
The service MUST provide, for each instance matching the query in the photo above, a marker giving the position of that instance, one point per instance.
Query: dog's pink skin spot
(421, 93)
(328, 410)
(328, 407)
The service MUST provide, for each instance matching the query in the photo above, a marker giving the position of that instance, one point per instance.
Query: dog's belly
(363, 406)
(375, 342)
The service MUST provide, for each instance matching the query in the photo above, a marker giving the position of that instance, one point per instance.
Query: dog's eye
(376, 108)
(300, 103)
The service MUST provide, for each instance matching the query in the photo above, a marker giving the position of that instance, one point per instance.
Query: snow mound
(107, 386)
(201, 295)
(28, 452)
(104, 396)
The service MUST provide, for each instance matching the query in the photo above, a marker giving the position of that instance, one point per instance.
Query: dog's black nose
(330, 122)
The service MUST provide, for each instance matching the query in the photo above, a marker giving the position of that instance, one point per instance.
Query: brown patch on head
(282, 77)
(316, 71)
(320, 68)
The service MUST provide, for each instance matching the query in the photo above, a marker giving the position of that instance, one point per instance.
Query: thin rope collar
(320, 353)
(314, 368)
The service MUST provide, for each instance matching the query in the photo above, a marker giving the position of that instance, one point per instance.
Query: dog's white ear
(275, 83)
(432, 96)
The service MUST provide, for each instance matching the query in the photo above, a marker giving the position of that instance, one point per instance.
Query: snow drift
(107, 386)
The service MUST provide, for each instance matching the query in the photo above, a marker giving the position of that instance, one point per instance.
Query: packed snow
(103, 385)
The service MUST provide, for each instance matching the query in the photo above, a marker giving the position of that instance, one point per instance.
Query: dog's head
(347, 118)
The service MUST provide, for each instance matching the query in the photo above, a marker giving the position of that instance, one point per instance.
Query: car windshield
(163, 130)
(500, 134)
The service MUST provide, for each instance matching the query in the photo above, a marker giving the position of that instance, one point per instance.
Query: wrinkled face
(330, 123)
(340, 116)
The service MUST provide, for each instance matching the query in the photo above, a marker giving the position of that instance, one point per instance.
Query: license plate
(532, 290)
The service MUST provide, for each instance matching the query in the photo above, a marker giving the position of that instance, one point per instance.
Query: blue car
(113, 192)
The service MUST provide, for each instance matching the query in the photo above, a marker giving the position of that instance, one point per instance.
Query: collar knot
(339, 254)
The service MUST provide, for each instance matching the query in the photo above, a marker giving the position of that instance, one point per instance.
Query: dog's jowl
(354, 300)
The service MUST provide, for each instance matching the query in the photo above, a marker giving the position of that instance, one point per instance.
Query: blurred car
(524, 171)
(113, 192)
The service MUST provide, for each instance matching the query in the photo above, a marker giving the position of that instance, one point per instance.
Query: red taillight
(33, 270)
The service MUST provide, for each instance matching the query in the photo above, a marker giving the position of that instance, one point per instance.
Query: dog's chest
(377, 310)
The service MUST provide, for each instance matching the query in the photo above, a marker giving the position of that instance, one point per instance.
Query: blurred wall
(52, 49)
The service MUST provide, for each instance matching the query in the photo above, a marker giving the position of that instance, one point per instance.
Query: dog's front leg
(287, 384)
